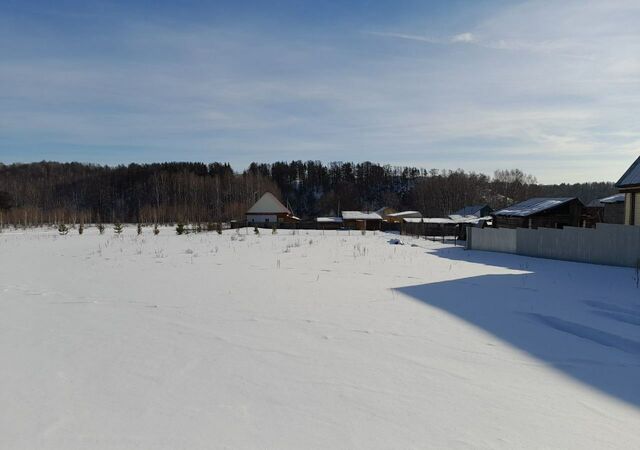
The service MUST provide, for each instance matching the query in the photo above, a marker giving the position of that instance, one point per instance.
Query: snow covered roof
(442, 220)
(405, 214)
(268, 204)
(329, 219)
(474, 210)
(533, 206)
(618, 198)
(631, 177)
(599, 203)
(449, 220)
(359, 215)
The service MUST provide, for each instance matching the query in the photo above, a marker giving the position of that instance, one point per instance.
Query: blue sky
(550, 87)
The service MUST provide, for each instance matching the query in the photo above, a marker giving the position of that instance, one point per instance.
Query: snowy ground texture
(309, 341)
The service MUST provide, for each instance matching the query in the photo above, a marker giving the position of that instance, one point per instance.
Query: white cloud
(463, 37)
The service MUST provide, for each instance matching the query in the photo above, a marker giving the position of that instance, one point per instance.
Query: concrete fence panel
(617, 245)
(492, 239)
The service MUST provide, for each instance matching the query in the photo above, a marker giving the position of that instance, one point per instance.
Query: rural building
(541, 212)
(476, 210)
(269, 210)
(358, 220)
(329, 223)
(605, 210)
(629, 185)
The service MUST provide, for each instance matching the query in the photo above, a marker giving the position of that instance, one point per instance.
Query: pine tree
(139, 229)
(101, 228)
(180, 228)
(63, 229)
(118, 228)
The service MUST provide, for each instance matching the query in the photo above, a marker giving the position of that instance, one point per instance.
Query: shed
(629, 185)
(329, 223)
(605, 210)
(269, 210)
(359, 220)
(475, 210)
(540, 212)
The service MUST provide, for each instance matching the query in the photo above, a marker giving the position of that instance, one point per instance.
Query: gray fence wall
(616, 245)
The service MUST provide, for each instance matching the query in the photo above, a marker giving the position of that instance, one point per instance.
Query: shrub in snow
(156, 231)
(255, 230)
(81, 229)
(139, 229)
(198, 228)
(180, 229)
(118, 228)
(63, 229)
(101, 228)
(274, 230)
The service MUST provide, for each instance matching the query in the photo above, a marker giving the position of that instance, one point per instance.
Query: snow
(617, 198)
(405, 214)
(329, 219)
(359, 215)
(309, 340)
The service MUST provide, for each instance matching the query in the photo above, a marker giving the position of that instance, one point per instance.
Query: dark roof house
(540, 212)
(631, 177)
(629, 185)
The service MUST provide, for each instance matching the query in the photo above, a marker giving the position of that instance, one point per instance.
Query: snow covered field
(308, 341)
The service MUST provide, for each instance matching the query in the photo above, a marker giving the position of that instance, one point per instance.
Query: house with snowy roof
(540, 212)
(360, 220)
(269, 210)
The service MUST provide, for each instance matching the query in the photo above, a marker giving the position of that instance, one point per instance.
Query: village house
(268, 210)
(629, 185)
(541, 212)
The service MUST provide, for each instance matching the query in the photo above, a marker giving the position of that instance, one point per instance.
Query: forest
(53, 192)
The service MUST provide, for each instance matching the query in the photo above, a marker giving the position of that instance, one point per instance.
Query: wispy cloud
(464, 37)
(408, 37)
(553, 90)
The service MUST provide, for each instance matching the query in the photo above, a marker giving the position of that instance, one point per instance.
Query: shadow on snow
(582, 320)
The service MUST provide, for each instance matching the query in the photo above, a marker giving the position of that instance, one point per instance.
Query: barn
(268, 210)
(541, 212)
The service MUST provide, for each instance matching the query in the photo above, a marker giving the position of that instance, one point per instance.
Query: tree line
(53, 192)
